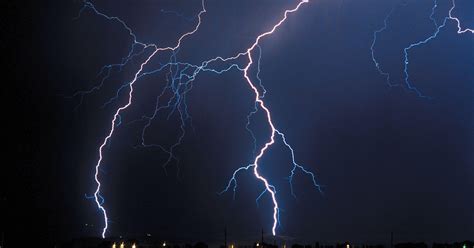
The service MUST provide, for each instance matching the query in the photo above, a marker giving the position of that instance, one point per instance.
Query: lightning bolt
(156, 49)
(260, 102)
(180, 78)
(372, 49)
(413, 45)
(451, 17)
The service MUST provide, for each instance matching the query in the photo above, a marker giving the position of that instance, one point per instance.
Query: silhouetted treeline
(127, 243)
(337, 245)
(411, 245)
(465, 244)
(148, 243)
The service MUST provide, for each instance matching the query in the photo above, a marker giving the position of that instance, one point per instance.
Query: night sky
(388, 161)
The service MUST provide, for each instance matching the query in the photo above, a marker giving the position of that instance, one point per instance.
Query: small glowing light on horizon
(348, 246)
(114, 245)
(258, 244)
(122, 245)
(164, 243)
(134, 246)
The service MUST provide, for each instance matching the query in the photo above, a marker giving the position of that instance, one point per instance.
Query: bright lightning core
(180, 78)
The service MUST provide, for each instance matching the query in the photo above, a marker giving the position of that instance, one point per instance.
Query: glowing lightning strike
(460, 31)
(117, 113)
(180, 80)
(372, 49)
(433, 36)
(259, 101)
(406, 50)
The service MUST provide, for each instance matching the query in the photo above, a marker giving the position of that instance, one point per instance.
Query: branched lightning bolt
(180, 78)
(451, 17)
(255, 109)
(137, 48)
(406, 50)
(259, 102)
(372, 49)
(120, 109)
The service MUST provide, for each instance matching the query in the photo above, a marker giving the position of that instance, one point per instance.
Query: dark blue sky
(388, 160)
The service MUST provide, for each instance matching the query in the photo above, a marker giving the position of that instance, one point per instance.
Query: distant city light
(258, 244)
(114, 245)
(134, 246)
(348, 246)
(122, 245)
(164, 243)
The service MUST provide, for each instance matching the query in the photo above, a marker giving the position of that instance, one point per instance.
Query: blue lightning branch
(176, 13)
(259, 101)
(406, 50)
(386, 75)
(137, 48)
(180, 77)
(255, 109)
